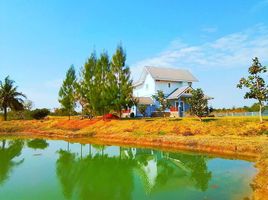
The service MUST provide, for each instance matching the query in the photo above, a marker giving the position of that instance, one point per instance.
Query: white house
(175, 83)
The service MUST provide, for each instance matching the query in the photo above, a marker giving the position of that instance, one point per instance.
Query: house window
(169, 85)
(146, 86)
(187, 92)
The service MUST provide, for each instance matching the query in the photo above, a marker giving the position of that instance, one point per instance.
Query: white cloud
(231, 51)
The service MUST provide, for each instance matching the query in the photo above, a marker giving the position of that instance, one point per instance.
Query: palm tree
(9, 97)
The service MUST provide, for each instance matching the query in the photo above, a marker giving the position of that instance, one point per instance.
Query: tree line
(103, 85)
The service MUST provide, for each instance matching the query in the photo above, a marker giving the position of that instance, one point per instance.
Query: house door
(177, 105)
(181, 109)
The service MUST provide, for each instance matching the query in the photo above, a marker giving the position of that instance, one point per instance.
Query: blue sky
(216, 40)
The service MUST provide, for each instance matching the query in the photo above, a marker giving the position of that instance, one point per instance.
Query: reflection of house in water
(162, 170)
(157, 171)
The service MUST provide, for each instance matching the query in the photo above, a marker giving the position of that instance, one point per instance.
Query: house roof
(166, 74)
(145, 100)
(180, 92)
(170, 74)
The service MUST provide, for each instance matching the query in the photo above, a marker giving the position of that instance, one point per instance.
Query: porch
(178, 107)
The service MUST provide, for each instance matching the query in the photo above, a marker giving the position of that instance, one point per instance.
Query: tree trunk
(5, 113)
(260, 113)
(200, 118)
(120, 113)
(89, 147)
(81, 153)
(3, 144)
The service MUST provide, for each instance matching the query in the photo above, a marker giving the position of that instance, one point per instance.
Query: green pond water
(47, 169)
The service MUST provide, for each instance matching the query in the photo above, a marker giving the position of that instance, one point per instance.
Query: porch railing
(126, 111)
(174, 109)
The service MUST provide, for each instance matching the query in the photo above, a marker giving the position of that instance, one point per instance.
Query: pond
(51, 169)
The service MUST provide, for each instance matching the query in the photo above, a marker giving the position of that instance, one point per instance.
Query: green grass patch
(161, 132)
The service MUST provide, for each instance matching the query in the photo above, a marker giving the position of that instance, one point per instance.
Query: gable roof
(145, 100)
(182, 92)
(170, 74)
(178, 92)
(166, 74)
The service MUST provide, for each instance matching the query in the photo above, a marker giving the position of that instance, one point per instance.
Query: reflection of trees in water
(37, 144)
(197, 166)
(98, 177)
(102, 177)
(65, 170)
(8, 151)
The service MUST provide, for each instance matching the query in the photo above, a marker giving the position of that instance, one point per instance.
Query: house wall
(147, 89)
(150, 87)
(164, 86)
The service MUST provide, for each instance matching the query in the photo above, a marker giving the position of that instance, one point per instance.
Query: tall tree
(121, 83)
(255, 83)
(87, 84)
(67, 93)
(101, 85)
(198, 103)
(10, 97)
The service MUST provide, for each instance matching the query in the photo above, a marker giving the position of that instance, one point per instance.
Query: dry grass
(228, 135)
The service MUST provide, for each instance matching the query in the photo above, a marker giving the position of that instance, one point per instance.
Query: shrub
(18, 115)
(40, 113)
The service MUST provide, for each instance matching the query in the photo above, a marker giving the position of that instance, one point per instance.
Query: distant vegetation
(253, 108)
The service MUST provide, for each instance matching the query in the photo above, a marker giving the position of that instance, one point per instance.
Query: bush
(40, 113)
(19, 115)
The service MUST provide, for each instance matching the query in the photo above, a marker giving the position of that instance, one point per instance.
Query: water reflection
(97, 177)
(37, 144)
(83, 171)
(102, 176)
(8, 151)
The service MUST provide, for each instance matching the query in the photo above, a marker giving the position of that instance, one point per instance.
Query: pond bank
(232, 137)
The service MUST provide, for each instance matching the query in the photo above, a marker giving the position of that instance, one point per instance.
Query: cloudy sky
(215, 40)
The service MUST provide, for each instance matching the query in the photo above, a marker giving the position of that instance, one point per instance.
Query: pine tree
(121, 83)
(88, 76)
(67, 91)
(101, 84)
